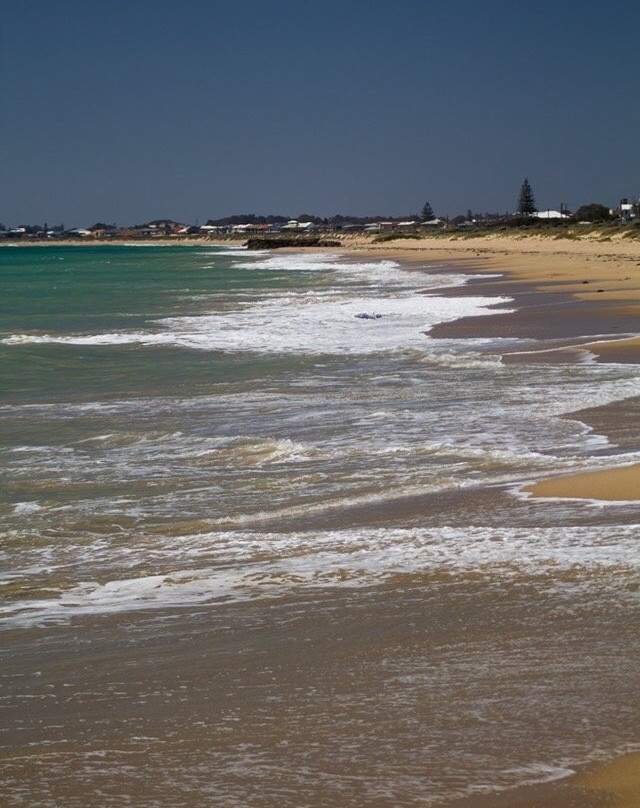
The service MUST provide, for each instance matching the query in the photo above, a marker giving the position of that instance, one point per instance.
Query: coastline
(612, 485)
(585, 288)
(547, 284)
(588, 288)
(610, 270)
(614, 784)
(584, 294)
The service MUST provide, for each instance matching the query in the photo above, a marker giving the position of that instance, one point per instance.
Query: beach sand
(589, 270)
(611, 785)
(621, 484)
(562, 289)
(618, 780)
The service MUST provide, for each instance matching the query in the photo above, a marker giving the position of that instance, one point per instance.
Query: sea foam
(250, 566)
(297, 324)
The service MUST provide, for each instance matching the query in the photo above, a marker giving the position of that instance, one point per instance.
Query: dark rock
(273, 243)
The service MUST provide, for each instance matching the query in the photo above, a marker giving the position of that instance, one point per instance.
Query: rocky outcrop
(274, 242)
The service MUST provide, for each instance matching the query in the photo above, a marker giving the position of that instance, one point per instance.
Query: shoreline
(608, 485)
(583, 296)
(610, 270)
(545, 284)
(583, 293)
(611, 784)
(548, 280)
(590, 289)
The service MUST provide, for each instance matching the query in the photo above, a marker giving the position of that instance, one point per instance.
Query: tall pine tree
(427, 213)
(526, 202)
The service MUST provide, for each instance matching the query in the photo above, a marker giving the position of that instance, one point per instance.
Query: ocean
(264, 539)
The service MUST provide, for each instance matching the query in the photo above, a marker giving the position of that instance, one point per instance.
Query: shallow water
(260, 550)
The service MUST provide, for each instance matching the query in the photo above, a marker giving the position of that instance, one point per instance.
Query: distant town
(245, 225)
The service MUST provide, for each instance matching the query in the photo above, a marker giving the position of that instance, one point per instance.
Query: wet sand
(622, 350)
(612, 785)
(328, 702)
(549, 291)
(562, 291)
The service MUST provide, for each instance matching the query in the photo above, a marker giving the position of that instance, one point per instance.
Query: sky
(130, 111)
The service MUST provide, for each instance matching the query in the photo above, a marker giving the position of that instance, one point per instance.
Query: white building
(550, 214)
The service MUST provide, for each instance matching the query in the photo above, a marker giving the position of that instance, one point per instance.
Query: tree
(526, 202)
(427, 213)
(309, 217)
(594, 212)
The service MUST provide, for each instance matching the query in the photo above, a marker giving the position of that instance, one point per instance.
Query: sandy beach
(611, 785)
(605, 279)
(583, 298)
(582, 286)
(563, 288)
(586, 287)
(611, 484)
(584, 267)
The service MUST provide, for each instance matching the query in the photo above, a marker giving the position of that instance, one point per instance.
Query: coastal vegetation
(427, 213)
(574, 231)
(528, 218)
(594, 212)
(526, 201)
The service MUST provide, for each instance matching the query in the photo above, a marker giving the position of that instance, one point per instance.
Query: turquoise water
(264, 543)
(94, 290)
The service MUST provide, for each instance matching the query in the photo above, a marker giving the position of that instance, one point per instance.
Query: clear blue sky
(129, 111)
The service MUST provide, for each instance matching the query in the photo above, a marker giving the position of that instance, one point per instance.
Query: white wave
(369, 274)
(467, 360)
(307, 262)
(573, 398)
(124, 338)
(371, 307)
(26, 508)
(243, 565)
(298, 324)
(230, 249)
(234, 253)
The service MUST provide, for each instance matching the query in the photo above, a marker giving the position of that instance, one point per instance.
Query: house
(251, 228)
(626, 210)
(102, 232)
(550, 214)
(134, 232)
(210, 229)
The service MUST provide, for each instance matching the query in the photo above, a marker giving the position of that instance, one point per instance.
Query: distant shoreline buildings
(245, 225)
